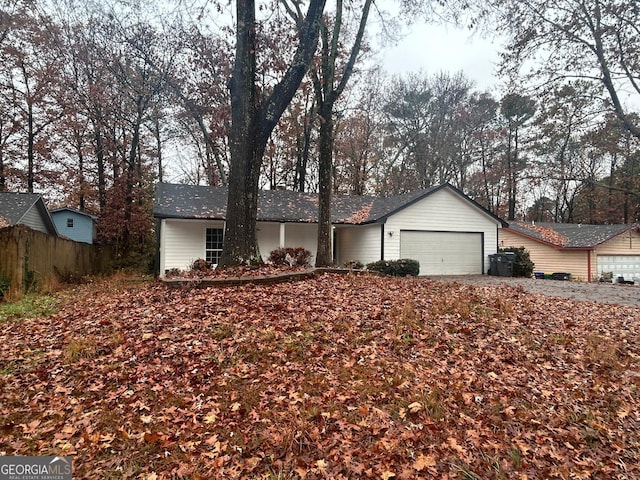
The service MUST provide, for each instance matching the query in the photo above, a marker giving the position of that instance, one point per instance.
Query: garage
(444, 253)
(627, 266)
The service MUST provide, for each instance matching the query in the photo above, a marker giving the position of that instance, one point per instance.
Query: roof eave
(549, 244)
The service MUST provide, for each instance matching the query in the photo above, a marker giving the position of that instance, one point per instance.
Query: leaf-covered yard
(336, 377)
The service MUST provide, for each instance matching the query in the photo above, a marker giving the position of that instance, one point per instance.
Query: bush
(5, 283)
(200, 265)
(354, 265)
(290, 257)
(396, 268)
(522, 265)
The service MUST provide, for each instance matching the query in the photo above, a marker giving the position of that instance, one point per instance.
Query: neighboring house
(585, 251)
(25, 209)
(74, 224)
(446, 231)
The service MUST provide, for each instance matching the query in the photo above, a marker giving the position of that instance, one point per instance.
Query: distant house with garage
(74, 224)
(587, 252)
(442, 228)
(25, 209)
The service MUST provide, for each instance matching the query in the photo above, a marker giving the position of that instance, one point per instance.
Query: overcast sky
(436, 48)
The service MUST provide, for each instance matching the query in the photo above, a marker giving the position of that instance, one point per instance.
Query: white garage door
(627, 266)
(443, 253)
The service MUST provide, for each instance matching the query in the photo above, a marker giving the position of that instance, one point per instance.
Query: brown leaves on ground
(337, 377)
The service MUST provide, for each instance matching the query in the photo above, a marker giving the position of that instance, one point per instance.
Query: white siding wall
(358, 243)
(268, 238)
(295, 235)
(302, 235)
(182, 242)
(442, 211)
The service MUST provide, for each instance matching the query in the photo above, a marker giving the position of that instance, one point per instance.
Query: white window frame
(213, 250)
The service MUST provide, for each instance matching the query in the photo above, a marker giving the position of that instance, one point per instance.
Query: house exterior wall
(33, 219)
(627, 243)
(358, 243)
(183, 241)
(295, 235)
(268, 238)
(441, 211)
(548, 259)
(302, 235)
(82, 230)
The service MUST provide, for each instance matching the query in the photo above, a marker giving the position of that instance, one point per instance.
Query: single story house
(442, 228)
(74, 224)
(587, 252)
(25, 209)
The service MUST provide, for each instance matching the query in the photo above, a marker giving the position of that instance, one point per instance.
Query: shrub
(396, 268)
(5, 283)
(200, 265)
(291, 257)
(522, 265)
(354, 265)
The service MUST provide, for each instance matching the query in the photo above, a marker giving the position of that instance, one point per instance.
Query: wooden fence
(32, 261)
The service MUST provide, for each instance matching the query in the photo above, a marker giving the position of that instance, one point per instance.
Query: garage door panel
(627, 266)
(443, 253)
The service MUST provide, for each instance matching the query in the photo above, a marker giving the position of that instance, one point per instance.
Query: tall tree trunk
(240, 242)
(327, 92)
(324, 255)
(252, 122)
(30, 148)
(100, 160)
(513, 192)
(3, 175)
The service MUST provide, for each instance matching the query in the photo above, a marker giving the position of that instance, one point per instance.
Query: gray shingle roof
(190, 201)
(568, 235)
(13, 206)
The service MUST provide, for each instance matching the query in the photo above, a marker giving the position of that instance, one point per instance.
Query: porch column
(282, 235)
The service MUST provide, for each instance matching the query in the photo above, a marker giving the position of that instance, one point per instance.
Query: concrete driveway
(607, 293)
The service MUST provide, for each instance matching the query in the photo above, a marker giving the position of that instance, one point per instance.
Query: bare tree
(594, 40)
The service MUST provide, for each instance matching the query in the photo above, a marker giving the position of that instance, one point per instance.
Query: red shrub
(291, 257)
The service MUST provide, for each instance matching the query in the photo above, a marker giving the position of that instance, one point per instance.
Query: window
(213, 245)
(69, 222)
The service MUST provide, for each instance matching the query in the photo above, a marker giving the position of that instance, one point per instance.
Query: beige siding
(548, 259)
(358, 243)
(627, 243)
(442, 211)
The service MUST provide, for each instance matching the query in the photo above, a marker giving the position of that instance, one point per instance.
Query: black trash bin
(501, 264)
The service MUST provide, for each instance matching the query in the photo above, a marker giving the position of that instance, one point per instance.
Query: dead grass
(336, 377)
